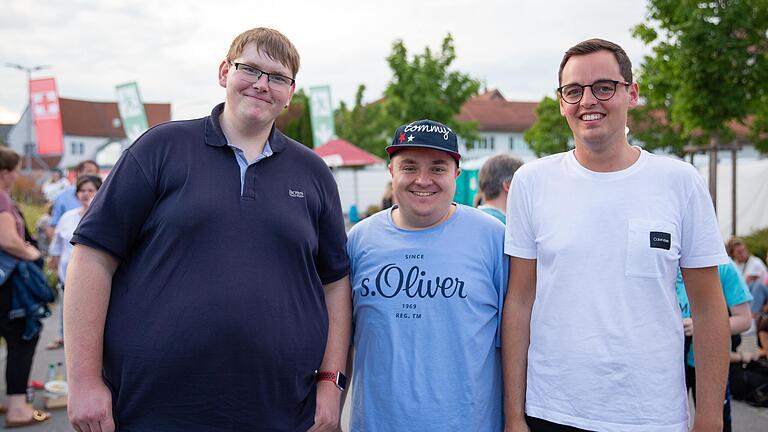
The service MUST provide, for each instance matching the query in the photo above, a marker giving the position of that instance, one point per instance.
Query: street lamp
(28, 148)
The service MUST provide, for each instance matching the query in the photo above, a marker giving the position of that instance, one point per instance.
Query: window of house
(77, 147)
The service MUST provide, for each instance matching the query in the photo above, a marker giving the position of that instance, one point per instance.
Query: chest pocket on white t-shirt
(652, 248)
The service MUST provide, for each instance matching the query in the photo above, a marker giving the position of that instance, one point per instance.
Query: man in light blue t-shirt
(428, 280)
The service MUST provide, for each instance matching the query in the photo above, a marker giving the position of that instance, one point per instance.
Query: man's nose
(588, 99)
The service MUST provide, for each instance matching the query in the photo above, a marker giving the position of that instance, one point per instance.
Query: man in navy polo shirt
(208, 287)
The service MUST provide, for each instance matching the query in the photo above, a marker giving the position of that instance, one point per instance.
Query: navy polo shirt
(217, 316)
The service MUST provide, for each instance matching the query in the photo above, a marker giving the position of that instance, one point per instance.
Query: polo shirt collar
(214, 135)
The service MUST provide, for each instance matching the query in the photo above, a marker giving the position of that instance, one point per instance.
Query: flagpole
(28, 149)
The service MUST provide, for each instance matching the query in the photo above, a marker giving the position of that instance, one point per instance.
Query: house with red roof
(501, 124)
(92, 130)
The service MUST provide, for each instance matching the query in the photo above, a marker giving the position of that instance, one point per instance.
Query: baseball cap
(425, 134)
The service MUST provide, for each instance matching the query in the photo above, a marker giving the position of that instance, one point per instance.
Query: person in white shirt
(54, 185)
(61, 248)
(592, 335)
(751, 267)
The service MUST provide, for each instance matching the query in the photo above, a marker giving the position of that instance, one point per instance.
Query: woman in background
(61, 248)
(20, 351)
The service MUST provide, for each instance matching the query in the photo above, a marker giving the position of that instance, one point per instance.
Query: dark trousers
(20, 352)
(539, 425)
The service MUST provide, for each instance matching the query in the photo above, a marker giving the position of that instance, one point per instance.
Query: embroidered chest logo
(661, 240)
(295, 194)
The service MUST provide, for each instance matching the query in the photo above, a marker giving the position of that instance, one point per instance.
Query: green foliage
(550, 134)
(32, 212)
(366, 126)
(295, 122)
(709, 67)
(757, 243)
(425, 88)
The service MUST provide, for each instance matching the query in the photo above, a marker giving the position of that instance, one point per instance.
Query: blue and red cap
(425, 134)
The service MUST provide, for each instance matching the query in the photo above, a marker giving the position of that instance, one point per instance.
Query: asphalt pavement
(745, 417)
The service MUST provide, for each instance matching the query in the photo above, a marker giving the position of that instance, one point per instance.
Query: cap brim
(392, 149)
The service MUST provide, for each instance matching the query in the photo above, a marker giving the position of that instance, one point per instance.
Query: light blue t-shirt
(759, 296)
(735, 291)
(427, 312)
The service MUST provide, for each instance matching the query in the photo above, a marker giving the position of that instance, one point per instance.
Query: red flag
(47, 116)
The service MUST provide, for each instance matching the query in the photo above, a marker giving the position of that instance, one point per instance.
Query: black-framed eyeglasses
(602, 90)
(253, 74)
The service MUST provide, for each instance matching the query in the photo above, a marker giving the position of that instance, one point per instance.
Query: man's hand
(90, 407)
(328, 409)
(688, 326)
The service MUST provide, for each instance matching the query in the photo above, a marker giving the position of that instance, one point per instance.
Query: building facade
(92, 130)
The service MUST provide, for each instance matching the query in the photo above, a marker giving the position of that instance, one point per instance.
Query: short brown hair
(9, 159)
(80, 167)
(734, 242)
(592, 46)
(270, 42)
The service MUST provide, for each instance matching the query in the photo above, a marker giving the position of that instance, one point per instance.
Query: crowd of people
(211, 286)
(48, 243)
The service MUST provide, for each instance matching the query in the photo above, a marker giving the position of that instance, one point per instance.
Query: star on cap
(410, 138)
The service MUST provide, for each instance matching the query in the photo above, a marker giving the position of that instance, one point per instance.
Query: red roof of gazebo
(340, 153)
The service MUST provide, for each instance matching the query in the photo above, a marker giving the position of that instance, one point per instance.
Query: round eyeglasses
(602, 90)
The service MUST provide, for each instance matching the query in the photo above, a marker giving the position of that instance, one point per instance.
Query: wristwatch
(337, 378)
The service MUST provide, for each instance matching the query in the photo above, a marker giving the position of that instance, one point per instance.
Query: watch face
(341, 380)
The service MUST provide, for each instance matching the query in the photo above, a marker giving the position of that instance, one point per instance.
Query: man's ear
(634, 95)
(223, 71)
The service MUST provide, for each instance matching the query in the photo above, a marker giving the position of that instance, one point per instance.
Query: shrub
(757, 243)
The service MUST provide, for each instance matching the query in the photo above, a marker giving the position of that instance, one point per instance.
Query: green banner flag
(321, 112)
(132, 111)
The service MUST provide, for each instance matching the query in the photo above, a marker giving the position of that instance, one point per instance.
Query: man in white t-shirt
(592, 336)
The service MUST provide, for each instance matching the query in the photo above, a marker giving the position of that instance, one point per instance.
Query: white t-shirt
(753, 267)
(606, 349)
(51, 191)
(61, 246)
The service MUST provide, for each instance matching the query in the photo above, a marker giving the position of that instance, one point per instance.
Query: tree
(550, 134)
(366, 126)
(295, 121)
(709, 68)
(424, 87)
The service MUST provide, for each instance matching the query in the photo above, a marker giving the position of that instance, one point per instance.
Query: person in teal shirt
(493, 182)
(738, 299)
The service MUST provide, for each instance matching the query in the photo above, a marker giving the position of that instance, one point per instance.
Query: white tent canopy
(751, 196)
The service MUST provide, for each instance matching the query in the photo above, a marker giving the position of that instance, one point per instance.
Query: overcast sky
(172, 48)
